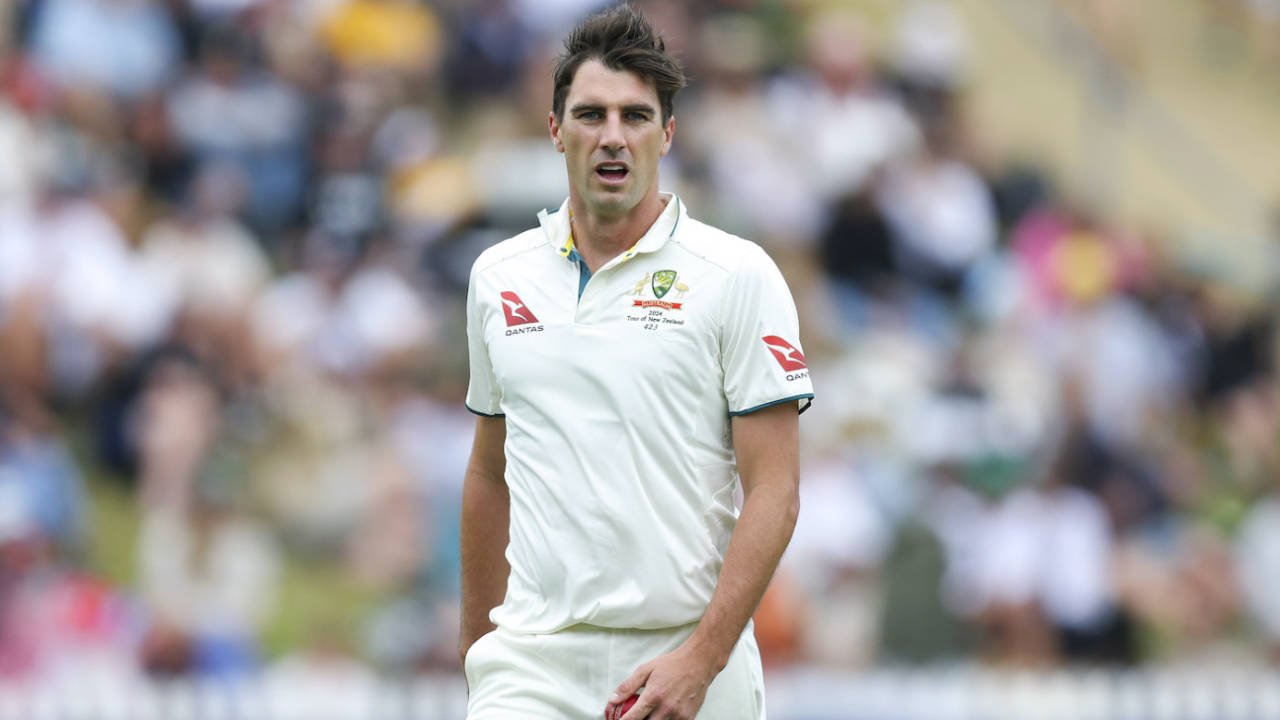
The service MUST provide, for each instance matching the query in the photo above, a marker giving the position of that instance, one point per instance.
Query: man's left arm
(766, 443)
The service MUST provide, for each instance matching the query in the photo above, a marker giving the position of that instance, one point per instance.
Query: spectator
(835, 114)
(492, 45)
(208, 570)
(398, 36)
(39, 474)
(1257, 557)
(125, 47)
(209, 577)
(759, 183)
(73, 264)
(940, 210)
(228, 110)
(213, 268)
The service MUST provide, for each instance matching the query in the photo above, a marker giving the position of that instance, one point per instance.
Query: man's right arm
(486, 507)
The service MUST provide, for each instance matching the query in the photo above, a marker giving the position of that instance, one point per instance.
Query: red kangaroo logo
(787, 356)
(516, 311)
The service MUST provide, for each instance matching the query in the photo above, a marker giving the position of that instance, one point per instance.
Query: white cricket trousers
(570, 674)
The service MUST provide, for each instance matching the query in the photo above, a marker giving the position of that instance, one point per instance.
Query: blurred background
(1035, 245)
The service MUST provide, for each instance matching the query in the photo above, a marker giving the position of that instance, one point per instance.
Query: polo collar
(555, 225)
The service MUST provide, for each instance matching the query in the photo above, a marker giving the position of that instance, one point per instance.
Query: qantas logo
(516, 311)
(787, 356)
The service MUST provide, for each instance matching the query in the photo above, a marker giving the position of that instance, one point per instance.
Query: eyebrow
(634, 107)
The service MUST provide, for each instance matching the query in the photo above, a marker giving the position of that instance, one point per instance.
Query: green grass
(113, 531)
(314, 599)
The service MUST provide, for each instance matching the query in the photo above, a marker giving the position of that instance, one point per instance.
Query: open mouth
(612, 172)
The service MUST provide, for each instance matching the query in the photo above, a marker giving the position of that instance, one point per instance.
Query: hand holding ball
(615, 712)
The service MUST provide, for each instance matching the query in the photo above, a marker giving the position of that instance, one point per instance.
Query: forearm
(761, 535)
(484, 533)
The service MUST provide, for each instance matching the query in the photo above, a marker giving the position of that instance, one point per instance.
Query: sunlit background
(1035, 245)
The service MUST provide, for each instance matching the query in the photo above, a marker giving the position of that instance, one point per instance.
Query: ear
(668, 133)
(555, 131)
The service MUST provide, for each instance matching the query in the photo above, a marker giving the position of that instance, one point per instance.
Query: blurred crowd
(234, 245)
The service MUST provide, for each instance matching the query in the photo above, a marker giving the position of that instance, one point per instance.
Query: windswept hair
(621, 39)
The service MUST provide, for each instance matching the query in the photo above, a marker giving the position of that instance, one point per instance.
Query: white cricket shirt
(618, 389)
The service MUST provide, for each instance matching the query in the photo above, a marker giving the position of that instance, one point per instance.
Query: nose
(612, 139)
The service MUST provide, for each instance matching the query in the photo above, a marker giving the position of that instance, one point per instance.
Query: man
(629, 365)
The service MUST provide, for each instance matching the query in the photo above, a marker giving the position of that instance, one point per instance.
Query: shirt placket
(585, 276)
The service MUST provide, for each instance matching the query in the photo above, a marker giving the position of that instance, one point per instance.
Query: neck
(599, 238)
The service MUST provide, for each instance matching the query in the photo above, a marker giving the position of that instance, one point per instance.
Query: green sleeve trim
(803, 407)
(483, 414)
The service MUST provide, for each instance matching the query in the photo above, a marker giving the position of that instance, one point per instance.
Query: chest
(650, 317)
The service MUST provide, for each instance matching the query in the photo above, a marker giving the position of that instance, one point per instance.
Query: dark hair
(621, 39)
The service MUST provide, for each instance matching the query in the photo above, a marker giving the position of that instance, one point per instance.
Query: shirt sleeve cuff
(483, 414)
(805, 401)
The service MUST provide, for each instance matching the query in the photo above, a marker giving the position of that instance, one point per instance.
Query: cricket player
(630, 366)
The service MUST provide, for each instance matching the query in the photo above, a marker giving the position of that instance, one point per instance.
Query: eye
(589, 115)
(637, 117)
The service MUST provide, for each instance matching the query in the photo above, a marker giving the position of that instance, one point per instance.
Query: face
(612, 136)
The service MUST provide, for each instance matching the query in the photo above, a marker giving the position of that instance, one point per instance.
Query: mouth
(612, 173)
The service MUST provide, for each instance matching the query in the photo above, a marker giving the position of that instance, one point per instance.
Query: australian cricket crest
(655, 313)
(662, 282)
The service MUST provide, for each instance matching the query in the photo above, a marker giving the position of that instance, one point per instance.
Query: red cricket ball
(617, 711)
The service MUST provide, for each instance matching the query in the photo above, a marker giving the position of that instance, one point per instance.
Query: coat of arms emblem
(662, 282)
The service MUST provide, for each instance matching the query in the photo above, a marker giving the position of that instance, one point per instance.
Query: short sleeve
(483, 394)
(760, 349)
